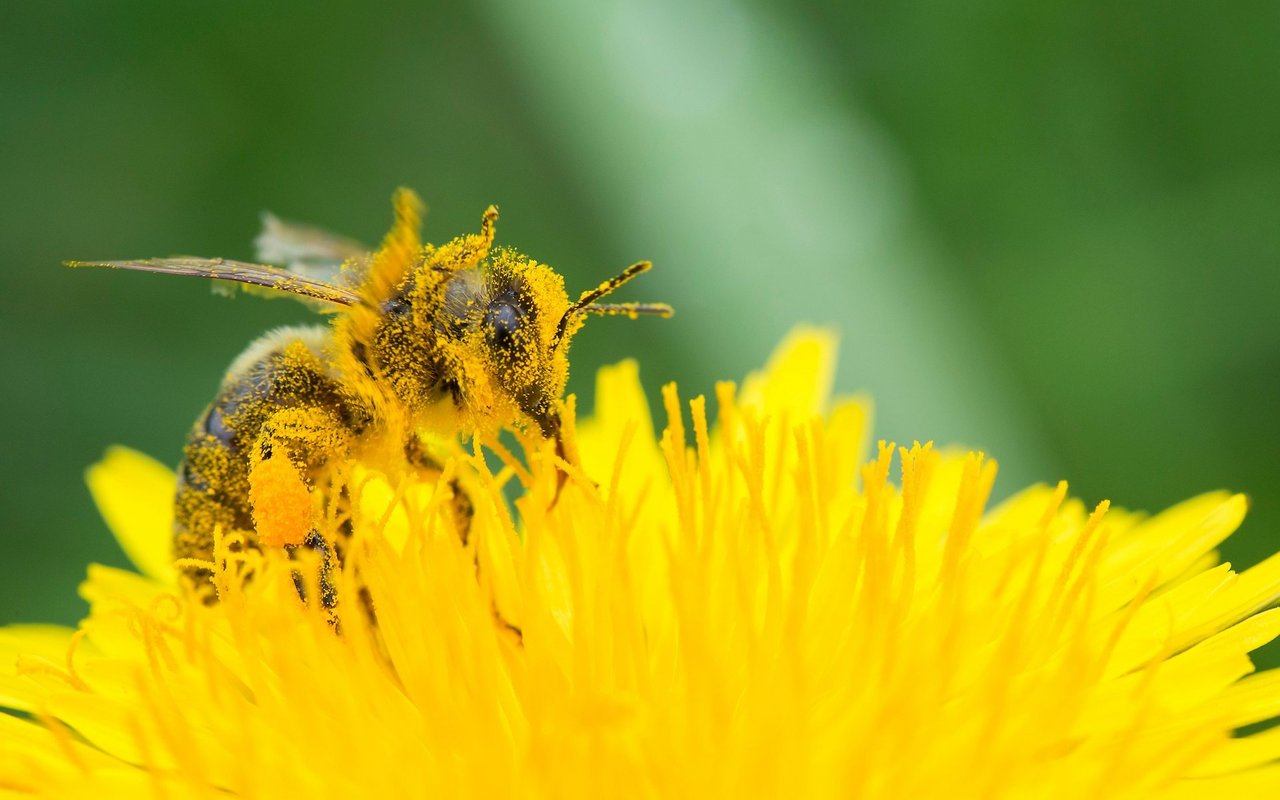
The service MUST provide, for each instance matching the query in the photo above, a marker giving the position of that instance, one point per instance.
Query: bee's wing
(224, 269)
(310, 252)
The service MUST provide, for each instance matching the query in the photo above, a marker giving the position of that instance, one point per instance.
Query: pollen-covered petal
(134, 494)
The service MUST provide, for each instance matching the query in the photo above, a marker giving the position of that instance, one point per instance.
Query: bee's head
(490, 329)
(515, 323)
(502, 319)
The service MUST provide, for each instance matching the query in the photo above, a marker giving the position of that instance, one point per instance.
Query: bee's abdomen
(282, 372)
(212, 494)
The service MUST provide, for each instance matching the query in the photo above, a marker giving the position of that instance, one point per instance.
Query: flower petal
(796, 383)
(134, 494)
(46, 641)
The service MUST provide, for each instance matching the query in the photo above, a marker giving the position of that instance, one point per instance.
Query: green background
(1048, 230)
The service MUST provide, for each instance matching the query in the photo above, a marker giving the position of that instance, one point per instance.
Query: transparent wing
(244, 272)
(311, 252)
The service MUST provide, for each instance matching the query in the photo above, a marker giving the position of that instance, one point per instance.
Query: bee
(455, 340)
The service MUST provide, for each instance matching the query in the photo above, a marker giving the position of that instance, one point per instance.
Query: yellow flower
(724, 610)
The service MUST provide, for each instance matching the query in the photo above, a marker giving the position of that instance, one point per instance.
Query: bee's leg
(487, 225)
(562, 477)
(292, 447)
(328, 562)
(463, 511)
(415, 453)
(211, 495)
(467, 251)
(551, 428)
(341, 545)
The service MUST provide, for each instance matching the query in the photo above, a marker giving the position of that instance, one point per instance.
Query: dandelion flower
(727, 609)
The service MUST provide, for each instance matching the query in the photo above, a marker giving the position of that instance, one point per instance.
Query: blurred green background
(1048, 230)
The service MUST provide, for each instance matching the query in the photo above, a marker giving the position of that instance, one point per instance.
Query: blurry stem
(708, 135)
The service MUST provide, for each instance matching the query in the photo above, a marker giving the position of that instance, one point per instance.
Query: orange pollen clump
(282, 509)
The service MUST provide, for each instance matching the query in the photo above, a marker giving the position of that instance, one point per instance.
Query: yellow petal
(46, 641)
(620, 407)
(32, 660)
(796, 383)
(108, 587)
(734, 610)
(29, 750)
(1255, 698)
(1243, 753)
(134, 494)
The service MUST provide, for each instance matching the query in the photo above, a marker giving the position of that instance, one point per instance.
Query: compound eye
(501, 320)
(397, 307)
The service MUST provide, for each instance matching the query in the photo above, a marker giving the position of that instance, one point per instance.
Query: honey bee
(426, 341)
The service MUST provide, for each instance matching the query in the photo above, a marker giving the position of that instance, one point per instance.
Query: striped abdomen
(279, 393)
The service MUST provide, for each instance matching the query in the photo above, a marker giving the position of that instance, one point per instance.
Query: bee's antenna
(586, 302)
(632, 310)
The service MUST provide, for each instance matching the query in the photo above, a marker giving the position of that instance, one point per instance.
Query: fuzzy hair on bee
(426, 341)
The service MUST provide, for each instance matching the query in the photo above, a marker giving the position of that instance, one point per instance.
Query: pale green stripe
(715, 144)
